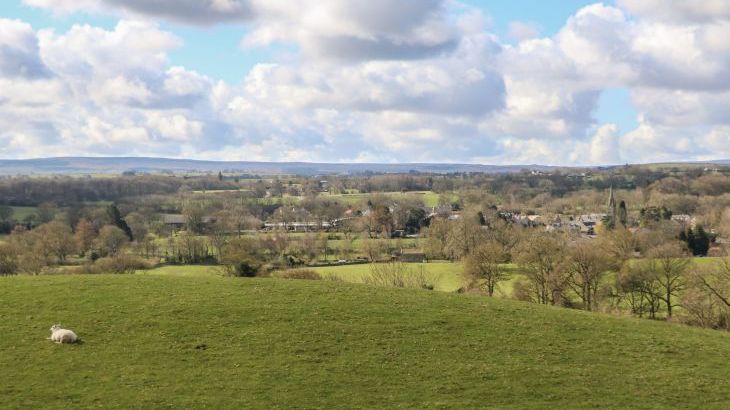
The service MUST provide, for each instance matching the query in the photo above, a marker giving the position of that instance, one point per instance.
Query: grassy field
(184, 271)
(429, 198)
(21, 212)
(193, 342)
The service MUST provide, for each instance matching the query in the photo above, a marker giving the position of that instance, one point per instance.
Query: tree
(668, 265)
(541, 258)
(373, 248)
(698, 241)
(46, 212)
(623, 215)
(485, 265)
(6, 219)
(116, 219)
(137, 224)
(84, 236)
(587, 264)
(620, 243)
(717, 281)
(6, 214)
(241, 257)
(637, 285)
(8, 259)
(55, 239)
(111, 240)
(706, 301)
(463, 236)
(194, 217)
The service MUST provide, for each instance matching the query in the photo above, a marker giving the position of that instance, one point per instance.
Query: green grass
(184, 271)
(21, 212)
(207, 342)
(429, 198)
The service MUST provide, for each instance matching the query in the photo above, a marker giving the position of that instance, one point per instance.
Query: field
(22, 212)
(184, 271)
(429, 198)
(192, 342)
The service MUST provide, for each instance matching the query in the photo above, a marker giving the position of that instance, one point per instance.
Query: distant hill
(117, 165)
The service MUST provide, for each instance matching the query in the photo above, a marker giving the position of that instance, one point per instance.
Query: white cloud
(605, 146)
(413, 80)
(19, 51)
(679, 10)
(203, 12)
(521, 31)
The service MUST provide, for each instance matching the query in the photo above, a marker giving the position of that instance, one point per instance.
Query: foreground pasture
(191, 342)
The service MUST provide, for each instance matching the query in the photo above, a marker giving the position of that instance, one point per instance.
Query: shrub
(120, 264)
(8, 260)
(242, 269)
(301, 274)
(399, 275)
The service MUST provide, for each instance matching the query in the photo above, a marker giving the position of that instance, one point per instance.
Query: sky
(564, 82)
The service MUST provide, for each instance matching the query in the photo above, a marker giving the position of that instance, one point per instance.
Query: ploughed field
(153, 341)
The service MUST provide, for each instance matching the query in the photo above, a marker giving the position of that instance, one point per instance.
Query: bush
(300, 274)
(242, 269)
(119, 264)
(399, 275)
(8, 260)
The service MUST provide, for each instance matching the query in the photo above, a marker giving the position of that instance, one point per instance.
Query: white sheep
(60, 335)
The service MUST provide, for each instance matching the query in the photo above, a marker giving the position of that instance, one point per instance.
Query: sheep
(60, 335)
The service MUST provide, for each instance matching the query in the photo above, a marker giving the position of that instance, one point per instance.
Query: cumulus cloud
(413, 80)
(339, 29)
(521, 31)
(679, 10)
(356, 30)
(19, 52)
(605, 146)
(202, 12)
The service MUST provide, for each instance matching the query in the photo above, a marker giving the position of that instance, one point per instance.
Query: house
(298, 226)
(175, 221)
(410, 256)
(563, 223)
(589, 222)
(179, 221)
(685, 221)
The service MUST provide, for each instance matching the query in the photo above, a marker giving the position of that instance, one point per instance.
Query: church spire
(611, 200)
(611, 208)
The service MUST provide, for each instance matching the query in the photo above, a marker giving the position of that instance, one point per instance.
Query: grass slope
(194, 342)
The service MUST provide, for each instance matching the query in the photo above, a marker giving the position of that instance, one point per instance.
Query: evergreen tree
(623, 215)
(701, 243)
(118, 221)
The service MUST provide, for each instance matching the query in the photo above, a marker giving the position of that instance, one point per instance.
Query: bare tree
(541, 258)
(668, 263)
(587, 264)
(55, 239)
(717, 281)
(485, 265)
(111, 240)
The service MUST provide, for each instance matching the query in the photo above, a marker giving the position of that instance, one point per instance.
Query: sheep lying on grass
(60, 335)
